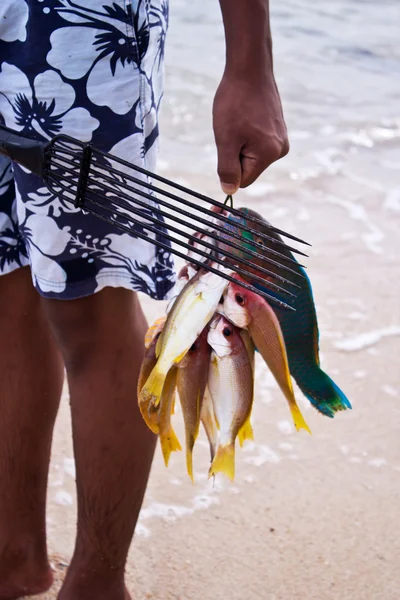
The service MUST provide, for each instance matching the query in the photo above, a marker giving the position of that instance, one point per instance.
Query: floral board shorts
(93, 70)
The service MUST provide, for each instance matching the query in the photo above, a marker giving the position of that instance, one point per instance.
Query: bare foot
(73, 593)
(23, 579)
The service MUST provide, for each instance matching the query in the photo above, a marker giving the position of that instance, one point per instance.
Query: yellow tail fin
(190, 441)
(224, 462)
(169, 443)
(245, 433)
(149, 414)
(299, 421)
(189, 463)
(152, 389)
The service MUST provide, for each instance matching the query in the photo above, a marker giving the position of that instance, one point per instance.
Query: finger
(255, 162)
(251, 169)
(229, 168)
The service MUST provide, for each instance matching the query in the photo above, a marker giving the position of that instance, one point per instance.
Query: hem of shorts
(79, 289)
(7, 269)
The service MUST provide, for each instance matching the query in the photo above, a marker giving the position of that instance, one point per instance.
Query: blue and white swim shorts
(92, 70)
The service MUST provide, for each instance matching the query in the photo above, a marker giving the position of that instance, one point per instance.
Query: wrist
(248, 39)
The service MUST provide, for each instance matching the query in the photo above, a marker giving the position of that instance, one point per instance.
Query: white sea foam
(366, 339)
(259, 189)
(392, 200)
(360, 374)
(374, 235)
(285, 446)
(263, 454)
(285, 427)
(389, 390)
(378, 462)
(63, 498)
(357, 316)
(69, 467)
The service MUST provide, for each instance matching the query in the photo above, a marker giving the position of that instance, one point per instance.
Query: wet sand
(308, 517)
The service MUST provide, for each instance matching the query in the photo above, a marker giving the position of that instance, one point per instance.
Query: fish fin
(323, 393)
(298, 419)
(150, 415)
(152, 389)
(169, 443)
(180, 357)
(189, 462)
(173, 405)
(224, 462)
(245, 433)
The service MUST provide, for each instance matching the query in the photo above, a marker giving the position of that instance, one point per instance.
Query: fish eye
(239, 299)
(227, 331)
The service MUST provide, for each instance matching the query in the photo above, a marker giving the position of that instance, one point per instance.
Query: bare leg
(101, 338)
(30, 388)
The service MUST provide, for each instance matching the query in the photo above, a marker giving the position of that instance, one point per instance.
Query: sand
(308, 517)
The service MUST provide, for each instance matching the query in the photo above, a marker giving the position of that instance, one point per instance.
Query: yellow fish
(148, 364)
(190, 313)
(168, 440)
(231, 384)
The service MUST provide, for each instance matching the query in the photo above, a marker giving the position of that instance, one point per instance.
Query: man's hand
(249, 127)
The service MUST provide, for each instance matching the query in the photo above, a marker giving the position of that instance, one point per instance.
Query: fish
(191, 384)
(154, 330)
(209, 422)
(231, 385)
(168, 439)
(246, 432)
(185, 274)
(190, 313)
(300, 331)
(148, 364)
(247, 309)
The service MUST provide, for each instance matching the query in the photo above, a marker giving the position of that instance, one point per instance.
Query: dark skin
(249, 127)
(99, 340)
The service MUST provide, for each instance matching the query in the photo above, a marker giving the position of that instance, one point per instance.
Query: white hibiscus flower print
(107, 42)
(45, 107)
(13, 20)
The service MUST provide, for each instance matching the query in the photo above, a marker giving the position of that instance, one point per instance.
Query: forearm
(248, 38)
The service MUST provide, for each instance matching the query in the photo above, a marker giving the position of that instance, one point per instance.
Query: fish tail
(323, 393)
(224, 462)
(298, 419)
(189, 463)
(152, 389)
(246, 432)
(169, 443)
(149, 415)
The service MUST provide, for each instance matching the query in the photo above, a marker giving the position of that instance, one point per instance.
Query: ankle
(92, 576)
(90, 584)
(21, 550)
(24, 568)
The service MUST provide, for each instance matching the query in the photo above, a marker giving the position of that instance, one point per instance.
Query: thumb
(229, 168)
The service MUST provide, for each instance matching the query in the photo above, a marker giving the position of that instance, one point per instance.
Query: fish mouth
(236, 318)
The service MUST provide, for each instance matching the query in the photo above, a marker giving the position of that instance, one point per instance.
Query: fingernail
(228, 188)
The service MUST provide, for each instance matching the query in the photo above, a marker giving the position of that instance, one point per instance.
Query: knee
(76, 326)
(89, 330)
